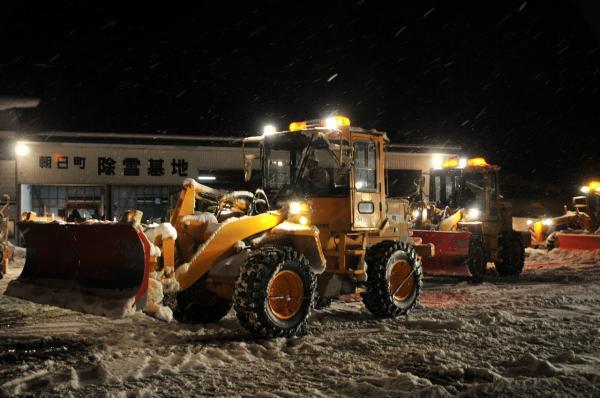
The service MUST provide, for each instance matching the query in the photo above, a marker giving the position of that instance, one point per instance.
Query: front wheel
(394, 279)
(275, 292)
(511, 254)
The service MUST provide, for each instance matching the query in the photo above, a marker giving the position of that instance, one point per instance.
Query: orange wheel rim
(401, 280)
(285, 293)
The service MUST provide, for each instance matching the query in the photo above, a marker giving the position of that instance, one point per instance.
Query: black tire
(381, 258)
(197, 305)
(252, 304)
(511, 254)
(477, 260)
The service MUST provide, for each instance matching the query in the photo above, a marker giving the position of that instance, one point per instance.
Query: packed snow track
(538, 335)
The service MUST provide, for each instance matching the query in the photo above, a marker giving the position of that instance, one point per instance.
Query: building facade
(104, 175)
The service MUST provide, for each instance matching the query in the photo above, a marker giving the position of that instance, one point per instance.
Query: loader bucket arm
(221, 242)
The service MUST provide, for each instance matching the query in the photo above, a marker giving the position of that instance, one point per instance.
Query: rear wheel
(275, 292)
(394, 279)
(511, 254)
(198, 305)
(477, 260)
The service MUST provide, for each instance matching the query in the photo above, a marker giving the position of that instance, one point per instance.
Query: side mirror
(248, 158)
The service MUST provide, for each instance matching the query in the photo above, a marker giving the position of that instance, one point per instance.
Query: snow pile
(567, 257)
(154, 299)
(562, 264)
(158, 285)
(532, 366)
(60, 293)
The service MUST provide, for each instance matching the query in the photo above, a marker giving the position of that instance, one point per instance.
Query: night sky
(518, 81)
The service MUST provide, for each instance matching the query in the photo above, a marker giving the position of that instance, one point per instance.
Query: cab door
(367, 184)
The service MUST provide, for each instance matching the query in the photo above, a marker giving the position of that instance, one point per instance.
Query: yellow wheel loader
(320, 227)
(467, 221)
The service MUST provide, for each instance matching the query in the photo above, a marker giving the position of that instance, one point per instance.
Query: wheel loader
(319, 227)
(577, 229)
(467, 220)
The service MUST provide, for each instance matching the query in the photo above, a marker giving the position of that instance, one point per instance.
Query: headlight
(299, 212)
(473, 213)
(547, 221)
(295, 208)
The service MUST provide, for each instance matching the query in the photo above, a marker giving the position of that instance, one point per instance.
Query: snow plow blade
(451, 252)
(73, 261)
(566, 241)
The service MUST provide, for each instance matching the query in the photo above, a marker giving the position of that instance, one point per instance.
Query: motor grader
(268, 254)
(576, 229)
(467, 221)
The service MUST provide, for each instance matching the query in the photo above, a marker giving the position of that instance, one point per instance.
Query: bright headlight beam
(269, 129)
(295, 208)
(473, 213)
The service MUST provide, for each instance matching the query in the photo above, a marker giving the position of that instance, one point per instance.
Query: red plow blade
(103, 260)
(451, 252)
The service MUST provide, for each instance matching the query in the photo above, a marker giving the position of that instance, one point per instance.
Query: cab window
(365, 166)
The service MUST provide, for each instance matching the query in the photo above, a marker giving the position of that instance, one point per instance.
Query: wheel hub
(401, 280)
(285, 293)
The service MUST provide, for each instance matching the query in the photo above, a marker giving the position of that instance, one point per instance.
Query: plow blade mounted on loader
(70, 260)
(451, 252)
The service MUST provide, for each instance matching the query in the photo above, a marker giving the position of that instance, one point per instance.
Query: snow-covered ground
(538, 335)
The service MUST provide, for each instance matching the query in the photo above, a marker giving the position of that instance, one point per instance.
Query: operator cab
(466, 183)
(337, 169)
(302, 164)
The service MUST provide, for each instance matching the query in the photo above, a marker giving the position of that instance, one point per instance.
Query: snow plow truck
(320, 226)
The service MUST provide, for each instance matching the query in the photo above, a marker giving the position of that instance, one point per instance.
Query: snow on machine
(321, 216)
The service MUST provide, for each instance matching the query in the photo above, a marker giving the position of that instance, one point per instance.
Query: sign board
(68, 163)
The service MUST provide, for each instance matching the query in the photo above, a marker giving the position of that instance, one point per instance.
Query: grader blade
(110, 261)
(574, 241)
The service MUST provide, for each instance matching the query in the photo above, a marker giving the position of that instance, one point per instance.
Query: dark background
(518, 81)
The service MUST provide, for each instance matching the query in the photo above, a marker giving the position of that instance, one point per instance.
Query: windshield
(453, 189)
(297, 165)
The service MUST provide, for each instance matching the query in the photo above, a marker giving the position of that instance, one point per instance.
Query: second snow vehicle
(577, 229)
(467, 220)
(320, 227)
